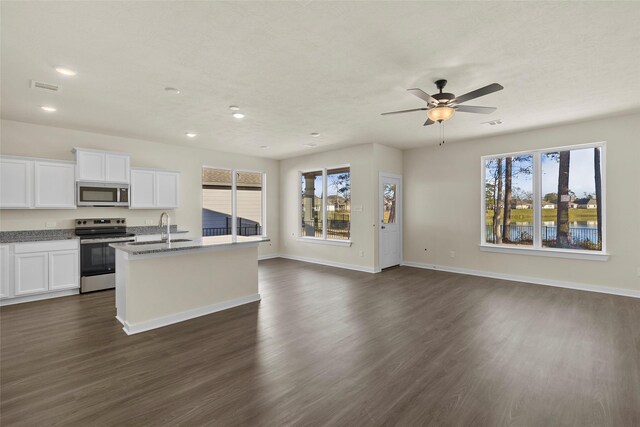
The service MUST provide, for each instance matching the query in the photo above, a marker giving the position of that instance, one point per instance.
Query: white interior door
(390, 201)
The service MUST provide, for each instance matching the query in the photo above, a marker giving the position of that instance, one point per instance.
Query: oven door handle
(115, 240)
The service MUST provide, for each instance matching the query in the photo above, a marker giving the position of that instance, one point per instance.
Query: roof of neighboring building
(222, 177)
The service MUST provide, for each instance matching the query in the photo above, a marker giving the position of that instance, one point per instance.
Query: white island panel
(159, 289)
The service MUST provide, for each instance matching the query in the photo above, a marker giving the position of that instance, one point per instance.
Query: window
(389, 213)
(326, 217)
(232, 206)
(509, 200)
(545, 199)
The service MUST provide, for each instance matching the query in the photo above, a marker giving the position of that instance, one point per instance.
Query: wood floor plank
(327, 346)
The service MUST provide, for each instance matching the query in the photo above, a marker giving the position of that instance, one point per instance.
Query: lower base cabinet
(5, 271)
(63, 270)
(31, 273)
(39, 268)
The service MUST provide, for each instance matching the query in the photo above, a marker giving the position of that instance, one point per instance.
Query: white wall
(366, 162)
(441, 196)
(23, 139)
(442, 204)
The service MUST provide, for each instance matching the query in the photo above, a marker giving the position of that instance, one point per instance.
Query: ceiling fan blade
(422, 95)
(475, 109)
(493, 87)
(404, 111)
(428, 122)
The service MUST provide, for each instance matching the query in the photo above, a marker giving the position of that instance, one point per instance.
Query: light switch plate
(149, 222)
(50, 224)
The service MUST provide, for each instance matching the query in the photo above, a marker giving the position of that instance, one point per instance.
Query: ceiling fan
(442, 106)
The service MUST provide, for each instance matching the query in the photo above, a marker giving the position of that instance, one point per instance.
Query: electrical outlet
(361, 253)
(452, 254)
(149, 222)
(50, 224)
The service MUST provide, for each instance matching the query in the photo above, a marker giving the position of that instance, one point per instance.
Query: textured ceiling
(310, 66)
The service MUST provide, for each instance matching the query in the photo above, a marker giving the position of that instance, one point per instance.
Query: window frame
(537, 249)
(234, 199)
(324, 239)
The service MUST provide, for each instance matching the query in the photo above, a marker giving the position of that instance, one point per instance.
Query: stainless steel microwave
(102, 194)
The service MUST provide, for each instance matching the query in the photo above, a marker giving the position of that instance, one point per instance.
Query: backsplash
(55, 219)
(151, 229)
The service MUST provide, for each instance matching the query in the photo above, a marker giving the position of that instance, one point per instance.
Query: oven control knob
(79, 222)
(84, 222)
(118, 221)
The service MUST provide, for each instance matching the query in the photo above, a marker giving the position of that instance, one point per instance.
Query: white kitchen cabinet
(63, 270)
(5, 271)
(29, 183)
(167, 189)
(16, 183)
(102, 166)
(91, 165)
(143, 189)
(54, 185)
(44, 267)
(117, 167)
(154, 189)
(31, 273)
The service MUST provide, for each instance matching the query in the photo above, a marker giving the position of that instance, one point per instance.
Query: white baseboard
(527, 279)
(270, 256)
(38, 297)
(330, 263)
(136, 328)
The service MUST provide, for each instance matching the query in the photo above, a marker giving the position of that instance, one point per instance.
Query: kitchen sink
(155, 242)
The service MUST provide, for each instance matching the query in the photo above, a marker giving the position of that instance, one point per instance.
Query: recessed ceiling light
(172, 90)
(66, 71)
(48, 109)
(314, 134)
(191, 134)
(238, 115)
(234, 107)
(264, 147)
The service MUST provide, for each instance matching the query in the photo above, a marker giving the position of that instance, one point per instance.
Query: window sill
(553, 253)
(325, 242)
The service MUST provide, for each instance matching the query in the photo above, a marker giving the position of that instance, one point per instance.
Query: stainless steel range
(97, 259)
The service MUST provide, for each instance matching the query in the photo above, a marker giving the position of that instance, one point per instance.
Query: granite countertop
(197, 243)
(24, 236)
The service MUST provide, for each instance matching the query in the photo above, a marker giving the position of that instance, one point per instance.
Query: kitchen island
(158, 284)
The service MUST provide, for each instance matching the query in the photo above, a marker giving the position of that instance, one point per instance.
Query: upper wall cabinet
(54, 185)
(16, 183)
(42, 184)
(167, 189)
(154, 189)
(102, 166)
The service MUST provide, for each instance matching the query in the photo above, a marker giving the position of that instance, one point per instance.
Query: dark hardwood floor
(333, 347)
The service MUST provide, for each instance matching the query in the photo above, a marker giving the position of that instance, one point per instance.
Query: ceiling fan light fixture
(440, 114)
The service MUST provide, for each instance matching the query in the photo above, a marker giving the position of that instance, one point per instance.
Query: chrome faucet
(162, 223)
